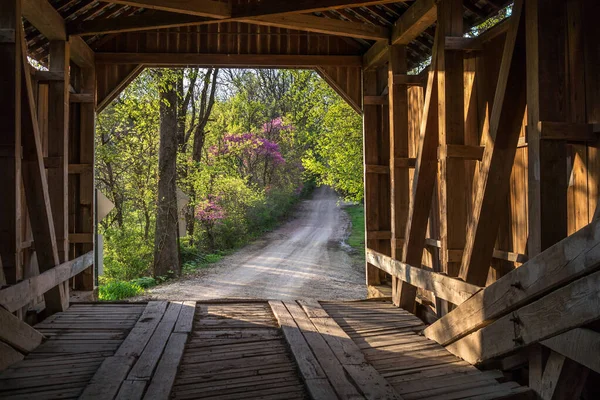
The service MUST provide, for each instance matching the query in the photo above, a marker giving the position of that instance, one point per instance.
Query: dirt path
(305, 258)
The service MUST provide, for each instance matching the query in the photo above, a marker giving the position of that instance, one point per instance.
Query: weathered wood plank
(108, 379)
(164, 376)
(331, 365)
(17, 333)
(580, 345)
(575, 256)
(563, 379)
(569, 307)
(185, 321)
(442, 286)
(312, 373)
(19, 295)
(498, 158)
(150, 356)
(8, 356)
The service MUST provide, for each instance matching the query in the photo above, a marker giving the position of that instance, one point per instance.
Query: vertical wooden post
(370, 128)
(35, 184)
(546, 101)
(452, 172)
(377, 195)
(399, 166)
(86, 182)
(58, 139)
(10, 141)
(423, 183)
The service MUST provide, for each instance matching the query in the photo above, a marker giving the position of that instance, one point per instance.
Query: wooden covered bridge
(482, 178)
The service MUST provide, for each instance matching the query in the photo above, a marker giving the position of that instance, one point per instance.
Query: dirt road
(305, 258)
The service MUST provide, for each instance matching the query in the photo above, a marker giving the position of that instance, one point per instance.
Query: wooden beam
(569, 259)
(85, 219)
(202, 8)
(569, 307)
(498, 158)
(442, 286)
(227, 60)
(571, 132)
(423, 182)
(371, 130)
(407, 80)
(50, 24)
(81, 238)
(546, 76)
(58, 144)
(147, 20)
(161, 20)
(19, 295)
(461, 43)
(81, 54)
(10, 144)
(461, 151)
(36, 192)
(322, 25)
(375, 100)
(377, 169)
(376, 55)
(45, 18)
(18, 334)
(399, 142)
(453, 176)
(580, 345)
(48, 76)
(268, 7)
(8, 356)
(82, 97)
(418, 17)
(118, 88)
(563, 379)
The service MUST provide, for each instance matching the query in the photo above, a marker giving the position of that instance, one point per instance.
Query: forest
(199, 162)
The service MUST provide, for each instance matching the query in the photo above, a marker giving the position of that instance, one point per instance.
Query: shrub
(118, 290)
(145, 282)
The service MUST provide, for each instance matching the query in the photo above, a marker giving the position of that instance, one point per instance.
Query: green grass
(356, 240)
(118, 290)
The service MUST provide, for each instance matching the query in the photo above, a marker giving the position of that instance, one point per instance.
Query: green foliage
(356, 240)
(316, 139)
(118, 290)
(145, 282)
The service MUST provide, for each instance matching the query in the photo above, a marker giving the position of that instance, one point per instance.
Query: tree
(166, 249)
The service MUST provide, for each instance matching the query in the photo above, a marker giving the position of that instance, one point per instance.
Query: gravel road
(304, 258)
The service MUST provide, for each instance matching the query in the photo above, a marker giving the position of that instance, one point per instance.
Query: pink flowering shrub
(210, 213)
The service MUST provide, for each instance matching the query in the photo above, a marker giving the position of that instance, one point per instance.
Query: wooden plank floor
(79, 340)
(237, 351)
(418, 368)
(244, 350)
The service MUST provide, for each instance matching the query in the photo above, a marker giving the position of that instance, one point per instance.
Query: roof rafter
(201, 8)
(415, 20)
(50, 24)
(293, 21)
(270, 7)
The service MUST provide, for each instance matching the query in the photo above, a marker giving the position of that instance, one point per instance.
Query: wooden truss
(550, 299)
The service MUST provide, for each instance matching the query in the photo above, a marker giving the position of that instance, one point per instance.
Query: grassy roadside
(356, 240)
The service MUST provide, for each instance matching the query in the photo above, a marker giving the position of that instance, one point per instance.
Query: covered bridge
(482, 177)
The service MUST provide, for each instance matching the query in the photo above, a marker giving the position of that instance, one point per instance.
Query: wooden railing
(19, 295)
(451, 289)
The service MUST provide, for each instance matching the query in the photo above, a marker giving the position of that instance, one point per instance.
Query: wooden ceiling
(336, 27)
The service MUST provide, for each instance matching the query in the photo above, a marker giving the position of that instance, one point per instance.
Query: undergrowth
(356, 240)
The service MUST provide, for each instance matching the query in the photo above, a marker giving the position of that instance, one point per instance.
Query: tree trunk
(166, 252)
